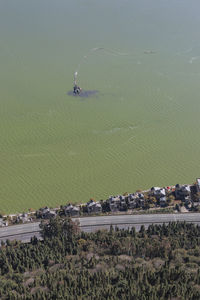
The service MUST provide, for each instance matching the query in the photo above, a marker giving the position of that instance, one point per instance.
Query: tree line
(162, 262)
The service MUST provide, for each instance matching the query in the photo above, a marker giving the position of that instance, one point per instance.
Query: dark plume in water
(84, 93)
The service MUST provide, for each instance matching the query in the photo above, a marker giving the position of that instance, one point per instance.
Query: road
(24, 232)
(89, 224)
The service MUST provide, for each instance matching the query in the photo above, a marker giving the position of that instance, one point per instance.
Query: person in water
(77, 89)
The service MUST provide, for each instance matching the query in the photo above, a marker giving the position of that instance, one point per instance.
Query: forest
(162, 262)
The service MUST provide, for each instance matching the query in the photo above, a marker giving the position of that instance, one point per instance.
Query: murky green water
(141, 130)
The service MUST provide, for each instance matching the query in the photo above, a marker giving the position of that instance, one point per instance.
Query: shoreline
(157, 200)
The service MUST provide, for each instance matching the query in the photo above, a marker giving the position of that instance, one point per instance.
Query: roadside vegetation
(162, 262)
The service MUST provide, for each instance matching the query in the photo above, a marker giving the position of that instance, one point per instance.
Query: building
(198, 185)
(71, 210)
(3, 223)
(114, 203)
(132, 201)
(122, 204)
(136, 200)
(94, 207)
(163, 201)
(47, 213)
(182, 192)
(158, 192)
(24, 218)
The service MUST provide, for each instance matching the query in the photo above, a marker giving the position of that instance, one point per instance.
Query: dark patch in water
(84, 94)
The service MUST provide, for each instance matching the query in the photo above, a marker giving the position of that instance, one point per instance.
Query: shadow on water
(84, 94)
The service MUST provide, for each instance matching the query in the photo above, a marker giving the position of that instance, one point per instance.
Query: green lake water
(141, 130)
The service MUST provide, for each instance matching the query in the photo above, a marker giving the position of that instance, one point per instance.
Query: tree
(142, 231)
(58, 227)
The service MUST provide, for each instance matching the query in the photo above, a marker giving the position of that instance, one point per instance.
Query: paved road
(24, 232)
(24, 238)
(89, 224)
